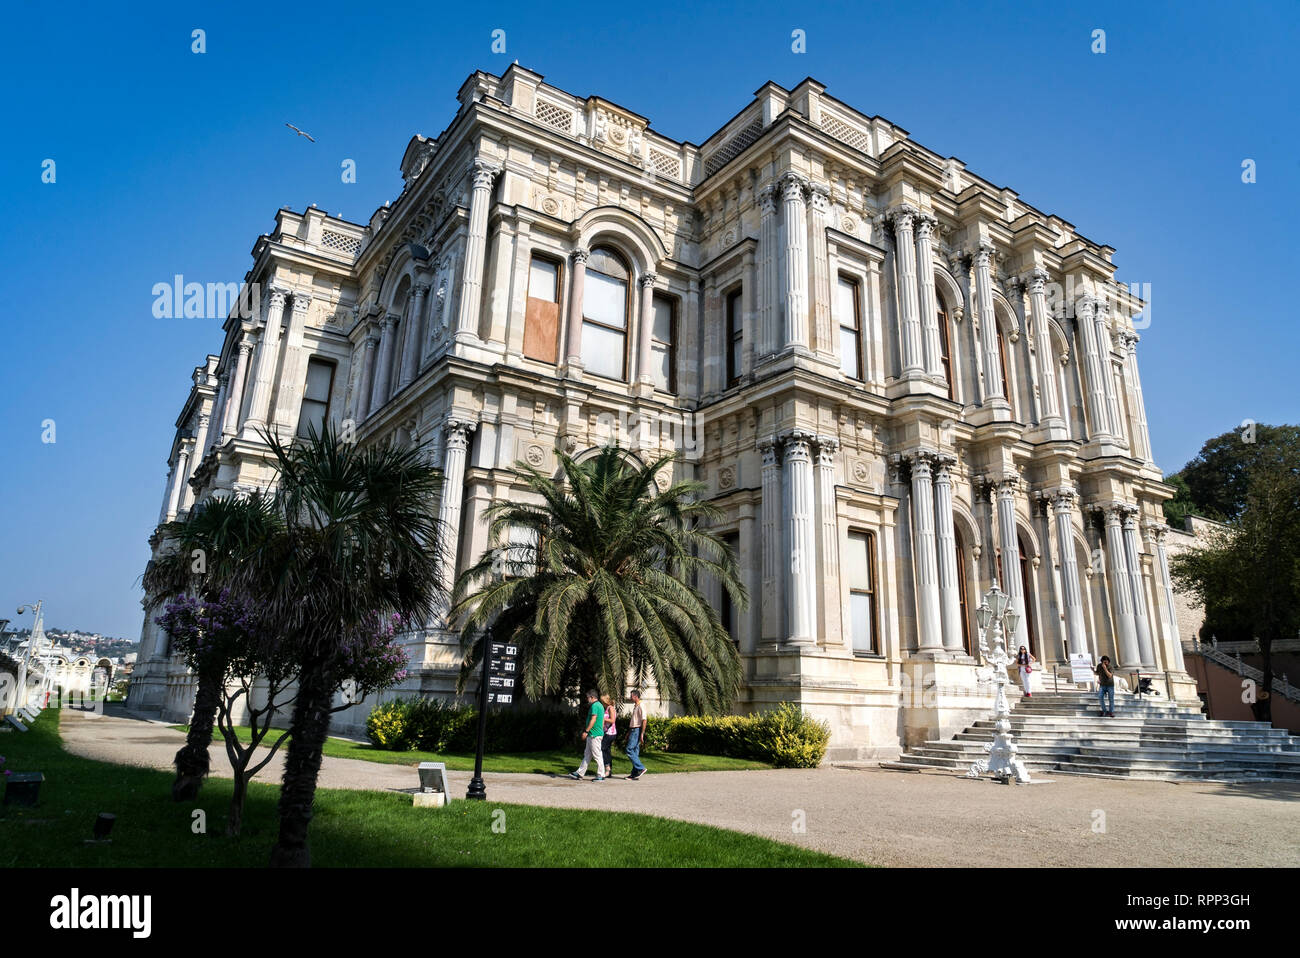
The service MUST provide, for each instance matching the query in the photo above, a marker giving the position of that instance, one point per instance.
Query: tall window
(945, 348)
(1002, 362)
(963, 608)
(604, 315)
(1024, 588)
(848, 309)
(727, 610)
(316, 398)
(663, 344)
(735, 337)
(861, 572)
(542, 319)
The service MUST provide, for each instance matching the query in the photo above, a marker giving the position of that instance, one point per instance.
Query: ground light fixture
(997, 619)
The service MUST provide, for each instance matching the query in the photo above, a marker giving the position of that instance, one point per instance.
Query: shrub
(788, 738)
(388, 726)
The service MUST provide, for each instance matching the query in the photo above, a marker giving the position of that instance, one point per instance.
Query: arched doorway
(1030, 631)
(962, 602)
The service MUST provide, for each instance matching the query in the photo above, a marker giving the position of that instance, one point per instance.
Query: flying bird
(300, 132)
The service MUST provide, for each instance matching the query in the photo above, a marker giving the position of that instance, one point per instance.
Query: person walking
(591, 736)
(1106, 687)
(1025, 659)
(611, 729)
(635, 736)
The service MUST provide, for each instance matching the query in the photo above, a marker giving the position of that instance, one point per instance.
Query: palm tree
(602, 588)
(205, 551)
(361, 539)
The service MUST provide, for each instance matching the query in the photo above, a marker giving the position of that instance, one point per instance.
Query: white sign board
(1081, 668)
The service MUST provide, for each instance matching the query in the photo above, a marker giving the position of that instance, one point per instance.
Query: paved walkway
(877, 816)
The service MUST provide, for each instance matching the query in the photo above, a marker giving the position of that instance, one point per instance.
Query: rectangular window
(604, 325)
(848, 310)
(663, 344)
(735, 337)
(860, 570)
(542, 318)
(316, 398)
(945, 349)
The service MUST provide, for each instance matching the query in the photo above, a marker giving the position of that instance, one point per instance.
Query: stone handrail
(1215, 653)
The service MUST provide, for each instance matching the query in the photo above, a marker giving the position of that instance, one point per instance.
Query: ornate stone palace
(898, 381)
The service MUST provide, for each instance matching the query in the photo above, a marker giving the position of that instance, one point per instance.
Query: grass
(351, 828)
(557, 761)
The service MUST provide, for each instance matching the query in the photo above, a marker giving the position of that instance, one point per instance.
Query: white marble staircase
(1063, 733)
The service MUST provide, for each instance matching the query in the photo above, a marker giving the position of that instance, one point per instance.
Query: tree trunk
(311, 718)
(235, 822)
(192, 762)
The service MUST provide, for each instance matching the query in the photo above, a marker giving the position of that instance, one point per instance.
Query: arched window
(605, 314)
(1024, 588)
(945, 350)
(1002, 362)
(961, 593)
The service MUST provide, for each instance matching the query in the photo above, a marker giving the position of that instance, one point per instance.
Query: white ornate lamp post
(996, 616)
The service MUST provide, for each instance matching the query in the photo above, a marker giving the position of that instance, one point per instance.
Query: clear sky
(168, 161)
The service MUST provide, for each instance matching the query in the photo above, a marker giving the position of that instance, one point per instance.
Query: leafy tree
(1181, 505)
(595, 582)
(1248, 576)
(361, 539)
(1217, 479)
(203, 554)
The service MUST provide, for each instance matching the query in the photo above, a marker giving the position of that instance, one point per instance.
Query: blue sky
(172, 162)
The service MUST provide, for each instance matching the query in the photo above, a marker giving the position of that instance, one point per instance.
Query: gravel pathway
(877, 816)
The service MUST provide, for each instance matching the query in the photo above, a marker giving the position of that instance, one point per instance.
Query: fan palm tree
(361, 539)
(595, 583)
(204, 552)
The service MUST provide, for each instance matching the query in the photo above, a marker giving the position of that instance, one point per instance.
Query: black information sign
(502, 676)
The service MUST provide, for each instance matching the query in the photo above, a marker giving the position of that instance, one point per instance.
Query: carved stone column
(772, 535)
(793, 188)
(801, 540)
(929, 623)
(1141, 621)
(471, 297)
(946, 546)
(268, 353)
(1009, 543)
(1098, 412)
(928, 299)
(293, 375)
(1159, 531)
(455, 448)
(912, 346)
(768, 335)
(177, 500)
(573, 344)
(411, 337)
(983, 259)
(1076, 638)
(825, 337)
(1047, 375)
(644, 333)
(1141, 435)
(1106, 355)
(1121, 590)
(362, 408)
(384, 366)
(168, 510)
(213, 437)
(235, 401)
(828, 542)
(200, 441)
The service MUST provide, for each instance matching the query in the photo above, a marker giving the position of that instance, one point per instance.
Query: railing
(1215, 653)
(1252, 646)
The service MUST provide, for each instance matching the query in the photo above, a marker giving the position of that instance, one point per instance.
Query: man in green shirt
(595, 731)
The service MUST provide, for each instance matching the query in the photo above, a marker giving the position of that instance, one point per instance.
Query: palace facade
(899, 382)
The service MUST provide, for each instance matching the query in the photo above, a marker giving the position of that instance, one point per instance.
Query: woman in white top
(611, 729)
(1025, 659)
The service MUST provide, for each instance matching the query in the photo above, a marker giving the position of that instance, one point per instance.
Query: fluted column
(235, 400)
(411, 339)
(946, 546)
(828, 542)
(1158, 532)
(983, 260)
(1009, 543)
(1098, 411)
(1141, 621)
(793, 188)
(455, 449)
(824, 341)
(200, 441)
(928, 299)
(218, 413)
(772, 536)
(1105, 350)
(573, 338)
(929, 623)
(801, 538)
(181, 475)
(362, 407)
(168, 510)
(1121, 590)
(293, 374)
(268, 353)
(768, 336)
(384, 365)
(471, 297)
(1050, 407)
(1063, 508)
(646, 328)
(1141, 435)
(913, 349)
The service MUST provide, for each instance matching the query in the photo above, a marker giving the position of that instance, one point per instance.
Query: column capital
(391, 320)
(422, 289)
(767, 199)
(902, 216)
(793, 186)
(647, 280)
(276, 295)
(301, 301)
(826, 449)
(769, 447)
(1062, 498)
(943, 464)
(820, 196)
(797, 444)
(484, 173)
(1086, 307)
(925, 224)
(580, 254)
(1035, 279)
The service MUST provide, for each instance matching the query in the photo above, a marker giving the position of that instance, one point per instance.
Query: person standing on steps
(1106, 687)
(636, 735)
(591, 736)
(1025, 659)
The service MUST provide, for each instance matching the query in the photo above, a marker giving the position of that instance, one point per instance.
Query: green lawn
(560, 761)
(351, 828)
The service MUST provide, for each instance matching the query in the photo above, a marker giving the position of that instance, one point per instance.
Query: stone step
(1140, 736)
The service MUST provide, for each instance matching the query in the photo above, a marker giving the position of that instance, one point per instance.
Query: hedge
(785, 736)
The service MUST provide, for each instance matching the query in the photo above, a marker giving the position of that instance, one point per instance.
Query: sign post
(496, 687)
(1081, 668)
